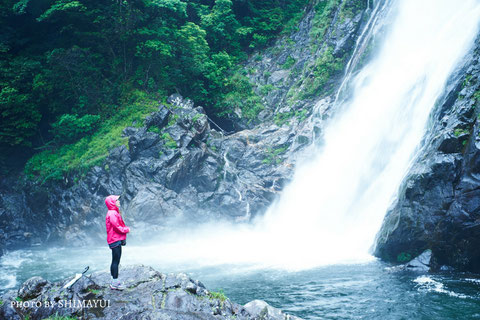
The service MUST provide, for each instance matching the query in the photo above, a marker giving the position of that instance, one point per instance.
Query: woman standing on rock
(116, 237)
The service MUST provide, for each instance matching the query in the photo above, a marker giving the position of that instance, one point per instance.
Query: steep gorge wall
(438, 205)
(177, 168)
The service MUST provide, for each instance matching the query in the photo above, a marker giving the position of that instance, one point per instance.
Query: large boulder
(149, 294)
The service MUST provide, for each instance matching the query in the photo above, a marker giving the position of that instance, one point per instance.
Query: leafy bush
(98, 52)
(323, 69)
(91, 150)
(288, 63)
(240, 97)
(220, 295)
(70, 127)
(168, 140)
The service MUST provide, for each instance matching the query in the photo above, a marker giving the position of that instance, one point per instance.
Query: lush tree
(67, 64)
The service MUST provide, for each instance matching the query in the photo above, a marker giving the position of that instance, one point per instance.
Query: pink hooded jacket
(116, 229)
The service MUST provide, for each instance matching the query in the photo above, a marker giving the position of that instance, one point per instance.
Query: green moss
(57, 317)
(172, 119)
(288, 63)
(94, 291)
(323, 69)
(467, 80)
(266, 89)
(283, 117)
(324, 11)
(273, 155)
(154, 129)
(239, 95)
(91, 150)
(404, 257)
(350, 8)
(476, 96)
(301, 115)
(220, 295)
(459, 132)
(196, 117)
(168, 140)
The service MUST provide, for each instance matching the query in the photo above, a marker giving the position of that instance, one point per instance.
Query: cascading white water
(332, 210)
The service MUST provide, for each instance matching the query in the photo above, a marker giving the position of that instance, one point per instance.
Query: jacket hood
(110, 202)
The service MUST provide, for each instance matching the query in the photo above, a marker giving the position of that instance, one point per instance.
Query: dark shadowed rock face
(438, 206)
(149, 294)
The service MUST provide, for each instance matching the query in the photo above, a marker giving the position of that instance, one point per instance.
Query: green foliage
(301, 115)
(476, 98)
(154, 129)
(91, 150)
(288, 63)
(18, 116)
(94, 291)
(272, 155)
(348, 9)
(60, 8)
(70, 127)
(57, 317)
(1, 303)
(221, 26)
(283, 117)
(467, 80)
(168, 140)
(459, 132)
(240, 97)
(324, 11)
(266, 89)
(172, 119)
(220, 295)
(196, 117)
(404, 257)
(323, 69)
(57, 90)
(267, 18)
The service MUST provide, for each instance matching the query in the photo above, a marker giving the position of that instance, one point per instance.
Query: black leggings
(116, 254)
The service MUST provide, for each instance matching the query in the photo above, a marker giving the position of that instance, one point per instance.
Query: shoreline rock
(438, 204)
(149, 294)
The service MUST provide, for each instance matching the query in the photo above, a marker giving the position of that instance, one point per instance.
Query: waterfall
(335, 204)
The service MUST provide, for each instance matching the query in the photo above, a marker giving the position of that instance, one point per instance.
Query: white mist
(335, 204)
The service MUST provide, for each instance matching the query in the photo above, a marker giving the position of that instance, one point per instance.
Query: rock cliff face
(438, 205)
(148, 294)
(177, 166)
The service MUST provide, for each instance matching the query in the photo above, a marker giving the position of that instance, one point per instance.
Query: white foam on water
(428, 284)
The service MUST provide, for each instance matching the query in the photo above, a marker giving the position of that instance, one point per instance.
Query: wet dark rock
(438, 206)
(159, 118)
(32, 288)
(149, 294)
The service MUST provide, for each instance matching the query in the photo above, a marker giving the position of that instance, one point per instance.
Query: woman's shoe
(116, 285)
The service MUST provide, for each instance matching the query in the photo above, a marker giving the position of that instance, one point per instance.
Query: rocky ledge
(149, 294)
